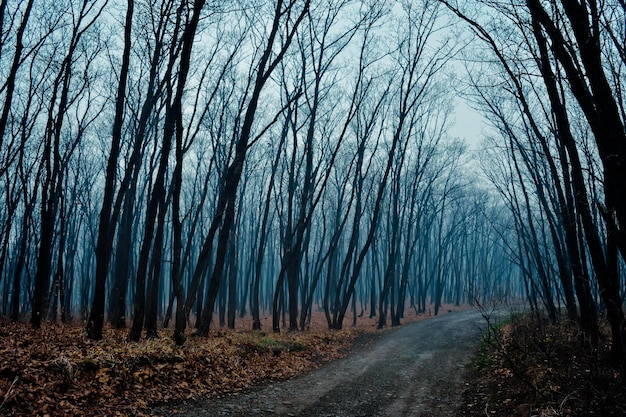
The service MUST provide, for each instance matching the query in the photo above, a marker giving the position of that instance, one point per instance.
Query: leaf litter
(58, 371)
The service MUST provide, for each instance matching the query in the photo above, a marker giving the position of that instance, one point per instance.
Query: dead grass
(533, 367)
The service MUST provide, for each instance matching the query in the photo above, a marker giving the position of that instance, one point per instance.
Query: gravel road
(414, 370)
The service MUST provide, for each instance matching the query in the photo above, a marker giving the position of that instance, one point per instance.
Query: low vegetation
(533, 367)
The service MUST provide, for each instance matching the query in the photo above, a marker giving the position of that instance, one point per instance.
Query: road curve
(414, 370)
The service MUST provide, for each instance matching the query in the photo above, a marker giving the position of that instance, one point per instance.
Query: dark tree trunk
(52, 186)
(152, 300)
(106, 227)
(232, 282)
(21, 261)
(225, 212)
(595, 97)
(158, 197)
(588, 314)
(117, 305)
(254, 297)
(17, 61)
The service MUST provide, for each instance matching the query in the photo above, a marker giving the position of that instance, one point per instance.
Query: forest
(165, 162)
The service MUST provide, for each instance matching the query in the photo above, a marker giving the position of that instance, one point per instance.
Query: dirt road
(415, 370)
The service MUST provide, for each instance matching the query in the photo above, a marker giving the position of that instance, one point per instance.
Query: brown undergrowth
(530, 367)
(58, 371)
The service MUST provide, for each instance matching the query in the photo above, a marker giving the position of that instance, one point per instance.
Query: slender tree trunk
(106, 227)
(232, 282)
(117, 306)
(17, 61)
(172, 122)
(588, 314)
(226, 202)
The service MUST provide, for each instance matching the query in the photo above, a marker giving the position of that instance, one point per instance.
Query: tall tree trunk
(152, 300)
(17, 61)
(232, 281)
(52, 177)
(117, 305)
(226, 203)
(106, 226)
(172, 122)
(588, 314)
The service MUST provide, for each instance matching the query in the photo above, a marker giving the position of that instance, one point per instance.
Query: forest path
(414, 370)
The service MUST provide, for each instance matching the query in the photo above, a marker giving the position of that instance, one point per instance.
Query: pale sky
(467, 124)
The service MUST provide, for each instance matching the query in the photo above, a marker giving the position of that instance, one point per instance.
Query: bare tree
(157, 202)
(54, 157)
(106, 227)
(319, 49)
(290, 17)
(572, 67)
(416, 71)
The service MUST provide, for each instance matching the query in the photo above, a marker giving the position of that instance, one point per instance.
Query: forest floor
(58, 371)
(528, 366)
(429, 368)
